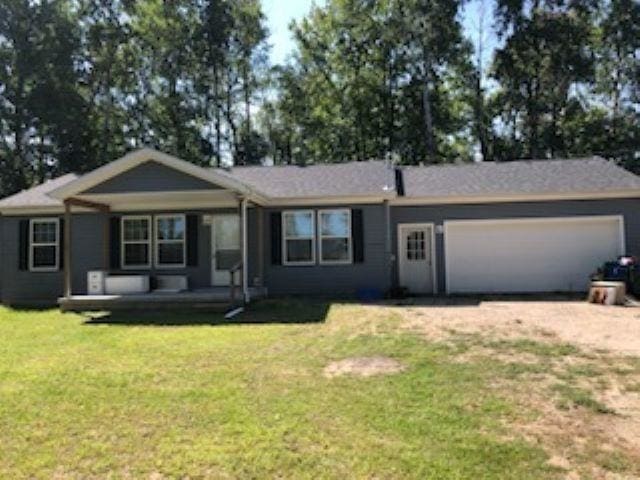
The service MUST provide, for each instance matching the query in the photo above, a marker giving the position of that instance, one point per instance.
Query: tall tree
(249, 51)
(546, 55)
(213, 47)
(375, 79)
(41, 106)
(163, 34)
(107, 76)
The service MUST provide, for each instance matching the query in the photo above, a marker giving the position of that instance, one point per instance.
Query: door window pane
(416, 248)
(227, 232)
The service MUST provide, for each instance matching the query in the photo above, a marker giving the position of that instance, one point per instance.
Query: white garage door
(528, 255)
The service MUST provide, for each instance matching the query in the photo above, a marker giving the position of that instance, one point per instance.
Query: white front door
(415, 248)
(225, 247)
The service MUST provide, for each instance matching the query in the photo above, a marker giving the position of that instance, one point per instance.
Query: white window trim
(349, 237)
(32, 245)
(285, 238)
(148, 242)
(158, 241)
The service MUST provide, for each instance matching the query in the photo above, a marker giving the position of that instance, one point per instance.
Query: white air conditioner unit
(95, 282)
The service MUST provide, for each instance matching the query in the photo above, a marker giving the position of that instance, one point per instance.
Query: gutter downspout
(245, 252)
(387, 241)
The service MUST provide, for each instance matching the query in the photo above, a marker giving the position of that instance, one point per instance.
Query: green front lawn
(184, 395)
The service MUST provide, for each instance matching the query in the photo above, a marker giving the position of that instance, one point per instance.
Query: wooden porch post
(106, 238)
(67, 249)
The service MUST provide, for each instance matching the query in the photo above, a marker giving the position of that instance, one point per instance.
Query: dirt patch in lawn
(363, 367)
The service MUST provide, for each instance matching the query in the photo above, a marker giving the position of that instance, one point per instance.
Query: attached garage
(528, 255)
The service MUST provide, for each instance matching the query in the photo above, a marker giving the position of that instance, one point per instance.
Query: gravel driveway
(616, 329)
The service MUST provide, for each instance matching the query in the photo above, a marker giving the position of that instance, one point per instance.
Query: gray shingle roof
(376, 178)
(327, 180)
(587, 175)
(37, 196)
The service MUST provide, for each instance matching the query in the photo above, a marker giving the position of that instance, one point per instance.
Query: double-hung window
(170, 241)
(44, 245)
(299, 232)
(136, 242)
(335, 236)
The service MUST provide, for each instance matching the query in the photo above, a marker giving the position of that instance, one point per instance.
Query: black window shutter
(276, 238)
(23, 245)
(61, 244)
(192, 240)
(114, 240)
(357, 235)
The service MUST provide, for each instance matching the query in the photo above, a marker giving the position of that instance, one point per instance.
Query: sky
(281, 12)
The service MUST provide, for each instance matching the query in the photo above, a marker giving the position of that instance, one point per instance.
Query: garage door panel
(540, 255)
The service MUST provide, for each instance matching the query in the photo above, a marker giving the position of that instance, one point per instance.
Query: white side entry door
(416, 257)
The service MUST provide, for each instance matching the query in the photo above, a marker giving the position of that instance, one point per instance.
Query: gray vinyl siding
(26, 287)
(437, 214)
(333, 280)
(151, 177)
(23, 286)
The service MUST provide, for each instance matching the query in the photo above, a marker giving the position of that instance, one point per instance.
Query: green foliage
(395, 79)
(40, 103)
(81, 82)
(372, 80)
(560, 63)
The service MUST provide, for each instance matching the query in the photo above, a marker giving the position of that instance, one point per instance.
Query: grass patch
(613, 461)
(634, 387)
(191, 395)
(571, 396)
(541, 349)
(512, 370)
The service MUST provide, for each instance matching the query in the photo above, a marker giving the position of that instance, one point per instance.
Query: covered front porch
(181, 246)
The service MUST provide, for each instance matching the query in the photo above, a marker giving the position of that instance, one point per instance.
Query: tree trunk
(247, 110)
(532, 120)
(481, 120)
(390, 106)
(427, 115)
(229, 115)
(107, 119)
(217, 117)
